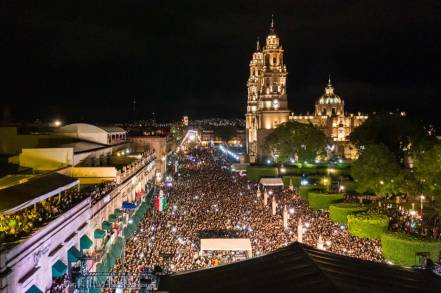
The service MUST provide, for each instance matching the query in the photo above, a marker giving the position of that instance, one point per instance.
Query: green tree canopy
(376, 170)
(294, 139)
(398, 133)
(428, 170)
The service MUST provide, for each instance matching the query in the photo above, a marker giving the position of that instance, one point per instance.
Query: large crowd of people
(22, 223)
(207, 200)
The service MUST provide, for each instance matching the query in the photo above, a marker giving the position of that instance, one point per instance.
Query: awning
(128, 205)
(85, 242)
(106, 225)
(140, 194)
(36, 189)
(112, 218)
(118, 212)
(99, 234)
(73, 254)
(226, 244)
(33, 289)
(271, 181)
(58, 269)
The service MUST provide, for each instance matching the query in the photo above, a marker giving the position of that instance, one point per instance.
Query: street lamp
(422, 197)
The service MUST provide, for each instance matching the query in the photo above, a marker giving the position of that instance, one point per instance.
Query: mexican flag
(176, 167)
(160, 202)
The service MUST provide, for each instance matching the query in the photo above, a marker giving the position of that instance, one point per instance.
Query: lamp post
(422, 197)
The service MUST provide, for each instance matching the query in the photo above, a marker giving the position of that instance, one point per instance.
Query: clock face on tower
(275, 103)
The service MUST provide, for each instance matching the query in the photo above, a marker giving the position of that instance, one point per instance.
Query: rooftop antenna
(134, 108)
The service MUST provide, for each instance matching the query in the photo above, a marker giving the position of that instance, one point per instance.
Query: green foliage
(320, 200)
(304, 190)
(339, 212)
(394, 131)
(376, 170)
(350, 186)
(294, 179)
(294, 139)
(254, 173)
(367, 225)
(401, 248)
(428, 170)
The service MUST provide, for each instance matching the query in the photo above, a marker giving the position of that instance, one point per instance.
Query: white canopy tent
(271, 182)
(231, 244)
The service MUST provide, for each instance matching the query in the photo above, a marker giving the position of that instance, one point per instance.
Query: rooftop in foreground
(300, 268)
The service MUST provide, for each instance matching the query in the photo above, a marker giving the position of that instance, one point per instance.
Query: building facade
(330, 117)
(267, 105)
(31, 263)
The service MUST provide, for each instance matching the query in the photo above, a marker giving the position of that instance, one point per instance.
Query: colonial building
(330, 116)
(267, 105)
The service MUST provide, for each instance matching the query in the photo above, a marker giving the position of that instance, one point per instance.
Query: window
(274, 61)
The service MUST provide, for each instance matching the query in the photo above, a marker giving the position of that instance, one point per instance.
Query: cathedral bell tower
(267, 105)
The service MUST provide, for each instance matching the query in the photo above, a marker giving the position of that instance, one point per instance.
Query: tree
(377, 170)
(398, 133)
(428, 170)
(294, 139)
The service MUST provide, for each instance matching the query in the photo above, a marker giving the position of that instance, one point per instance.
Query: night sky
(87, 60)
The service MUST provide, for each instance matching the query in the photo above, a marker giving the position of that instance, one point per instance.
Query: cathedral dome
(329, 97)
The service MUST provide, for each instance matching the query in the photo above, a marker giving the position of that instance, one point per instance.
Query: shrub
(304, 190)
(368, 225)
(254, 173)
(401, 248)
(320, 200)
(338, 212)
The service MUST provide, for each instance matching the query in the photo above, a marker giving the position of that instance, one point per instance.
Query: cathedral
(267, 105)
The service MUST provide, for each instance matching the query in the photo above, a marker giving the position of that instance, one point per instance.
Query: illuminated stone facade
(331, 118)
(267, 105)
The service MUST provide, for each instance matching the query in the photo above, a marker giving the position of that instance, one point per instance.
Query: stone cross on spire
(258, 45)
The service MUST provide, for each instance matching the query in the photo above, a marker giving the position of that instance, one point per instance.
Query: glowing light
(304, 182)
(130, 221)
(57, 123)
(291, 211)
